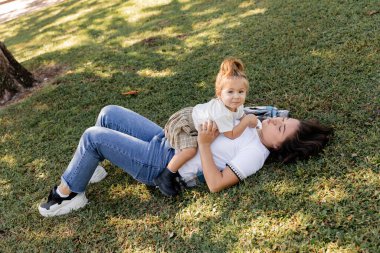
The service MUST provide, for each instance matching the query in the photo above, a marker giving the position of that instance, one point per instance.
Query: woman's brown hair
(309, 140)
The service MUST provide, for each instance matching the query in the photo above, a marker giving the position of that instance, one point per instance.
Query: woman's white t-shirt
(245, 155)
(216, 111)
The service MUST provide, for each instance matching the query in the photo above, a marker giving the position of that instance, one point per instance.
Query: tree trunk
(13, 77)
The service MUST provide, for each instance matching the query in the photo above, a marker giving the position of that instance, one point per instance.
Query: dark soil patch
(45, 75)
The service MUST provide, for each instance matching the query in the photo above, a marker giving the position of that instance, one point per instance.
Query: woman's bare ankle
(64, 189)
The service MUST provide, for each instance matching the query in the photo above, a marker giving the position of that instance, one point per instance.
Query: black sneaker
(167, 183)
(56, 205)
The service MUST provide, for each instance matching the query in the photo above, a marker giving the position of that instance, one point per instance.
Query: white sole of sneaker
(65, 207)
(99, 174)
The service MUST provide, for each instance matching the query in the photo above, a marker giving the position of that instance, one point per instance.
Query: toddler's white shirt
(216, 111)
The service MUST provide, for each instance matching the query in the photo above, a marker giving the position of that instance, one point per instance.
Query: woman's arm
(247, 121)
(216, 180)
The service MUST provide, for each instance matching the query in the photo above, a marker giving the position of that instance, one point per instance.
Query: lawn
(319, 59)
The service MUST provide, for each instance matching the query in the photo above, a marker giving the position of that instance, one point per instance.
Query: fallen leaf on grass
(132, 92)
(153, 41)
(370, 13)
(181, 36)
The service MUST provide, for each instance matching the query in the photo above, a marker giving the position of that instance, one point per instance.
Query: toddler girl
(231, 88)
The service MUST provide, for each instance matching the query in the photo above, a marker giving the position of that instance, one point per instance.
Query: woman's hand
(216, 180)
(208, 131)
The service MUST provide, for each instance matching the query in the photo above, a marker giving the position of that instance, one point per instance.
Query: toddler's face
(233, 93)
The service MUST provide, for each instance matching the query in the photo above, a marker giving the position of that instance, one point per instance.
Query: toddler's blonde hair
(229, 69)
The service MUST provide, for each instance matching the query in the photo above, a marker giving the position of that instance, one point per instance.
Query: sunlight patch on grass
(104, 74)
(61, 231)
(65, 42)
(41, 175)
(6, 137)
(198, 211)
(37, 164)
(334, 247)
(328, 195)
(126, 222)
(135, 10)
(130, 41)
(328, 191)
(137, 235)
(19, 23)
(207, 37)
(373, 55)
(233, 24)
(264, 227)
(246, 4)
(364, 177)
(5, 187)
(72, 18)
(129, 231)
(40, 107)
(9, 160)
(135, 16)
(6, 122)
(205, 12)
(8, 33)
(49, 15)
(373, 160)
(95, 72)
(253, 12)
(187, 4)
(202, 85)
(138, 191)
(284, 187)
(191, 217)
(54, 39)
(324, 54)
(216, 22)
(37, 168)
(59, 43)
(167, 32)
(155, 73)
(144, 3)
(189, 229)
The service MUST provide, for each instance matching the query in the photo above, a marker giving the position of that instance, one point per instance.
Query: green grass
(320, 59)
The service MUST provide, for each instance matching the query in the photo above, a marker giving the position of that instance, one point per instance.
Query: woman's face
(276, 130)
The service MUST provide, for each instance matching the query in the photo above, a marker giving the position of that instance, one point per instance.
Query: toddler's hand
(252, 120)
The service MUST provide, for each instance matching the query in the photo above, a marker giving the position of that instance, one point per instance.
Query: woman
(138, 145)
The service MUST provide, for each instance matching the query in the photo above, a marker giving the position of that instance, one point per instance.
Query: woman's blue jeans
(126, 139)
